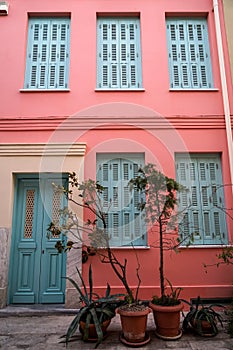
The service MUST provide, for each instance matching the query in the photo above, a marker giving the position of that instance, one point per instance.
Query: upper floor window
(189, 53)
(47, 65)
(118, 53)
(125, 222)
(202, 206)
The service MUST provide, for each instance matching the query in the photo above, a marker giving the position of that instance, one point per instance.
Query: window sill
(130, 247)
(111, 90)
(44, 90)
(195, 246)
(194, 90)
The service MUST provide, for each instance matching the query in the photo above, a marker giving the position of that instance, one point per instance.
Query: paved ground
(30, 328)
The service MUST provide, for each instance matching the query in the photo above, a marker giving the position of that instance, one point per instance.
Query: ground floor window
(126, 224)
(202, 205)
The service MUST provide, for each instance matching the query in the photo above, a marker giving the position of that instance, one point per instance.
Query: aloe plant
(95, 309)
(199, 313)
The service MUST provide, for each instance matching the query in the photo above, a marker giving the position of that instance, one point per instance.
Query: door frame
(15, 239)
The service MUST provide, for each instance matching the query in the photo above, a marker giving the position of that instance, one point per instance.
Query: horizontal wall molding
(42, 149)
(87, 122)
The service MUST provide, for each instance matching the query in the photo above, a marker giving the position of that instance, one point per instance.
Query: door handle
(43, 251)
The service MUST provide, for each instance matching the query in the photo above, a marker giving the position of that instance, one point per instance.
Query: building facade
(102, 88)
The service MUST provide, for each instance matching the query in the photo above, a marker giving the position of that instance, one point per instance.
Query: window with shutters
(47, 65)
(202, 205)
(118, 53)
(126, 224)
(189, 53)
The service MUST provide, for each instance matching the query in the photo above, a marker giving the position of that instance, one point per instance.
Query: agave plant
(95, 309)
(203, 319)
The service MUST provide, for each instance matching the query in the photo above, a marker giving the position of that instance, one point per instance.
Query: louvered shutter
(202, 217)
(189, 54)
(118, 53)
(47, 65)
(125, 222)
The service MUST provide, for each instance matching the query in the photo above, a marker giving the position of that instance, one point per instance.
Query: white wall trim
(42, 149)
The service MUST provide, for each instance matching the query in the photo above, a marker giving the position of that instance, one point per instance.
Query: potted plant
(203, 319)
(159, 201)
(166, 312)
(133, 315)
(95, 228)
(95, 314)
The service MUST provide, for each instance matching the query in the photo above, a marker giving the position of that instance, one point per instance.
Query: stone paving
(23, 328)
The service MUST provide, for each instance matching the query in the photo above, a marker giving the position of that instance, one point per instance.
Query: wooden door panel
(36, 266)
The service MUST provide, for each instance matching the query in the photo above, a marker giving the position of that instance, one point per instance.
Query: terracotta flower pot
(134, 324)
(207, 330)
(167, 320)
(92, 336)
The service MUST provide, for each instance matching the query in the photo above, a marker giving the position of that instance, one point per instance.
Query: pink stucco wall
(156, 121)
(185, 269)
(83, 60)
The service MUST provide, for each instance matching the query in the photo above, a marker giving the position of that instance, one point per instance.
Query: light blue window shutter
(47, 63)
(108, 54)
(59, 54)
(133, 224)
(126, 223)
(37, 54)
(118, 53)
(108, 175)
(114, 213)
(189, 54)
(199, 54)
(212, 198)
(130, 64)
(190, 222)
(201, 206)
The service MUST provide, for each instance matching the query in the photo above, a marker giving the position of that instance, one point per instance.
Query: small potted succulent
(95, 314)
(203, 319)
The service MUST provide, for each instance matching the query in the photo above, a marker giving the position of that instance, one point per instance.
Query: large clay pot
(206, 329)
(92, 336)
(134, 325)
(167, 321)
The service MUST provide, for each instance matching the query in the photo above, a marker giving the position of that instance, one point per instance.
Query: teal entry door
(37, 268)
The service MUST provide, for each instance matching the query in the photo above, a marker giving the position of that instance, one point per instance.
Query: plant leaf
(97, 327)
(90, 283)
(74, 324)
(83, 297)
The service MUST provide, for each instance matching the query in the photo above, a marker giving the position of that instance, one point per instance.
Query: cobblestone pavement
(22, 328)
